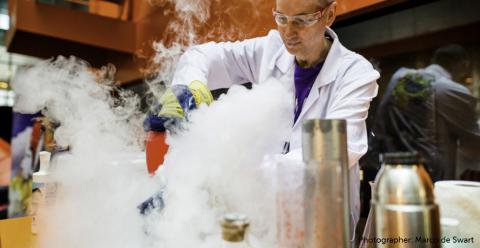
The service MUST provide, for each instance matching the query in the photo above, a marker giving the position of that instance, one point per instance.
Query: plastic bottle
(44, 190)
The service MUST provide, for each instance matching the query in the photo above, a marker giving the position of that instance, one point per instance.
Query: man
(428, 110)
(329, 81)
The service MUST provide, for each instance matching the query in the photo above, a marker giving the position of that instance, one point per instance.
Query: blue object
(184, 97)
(154, 122)
(152, 203)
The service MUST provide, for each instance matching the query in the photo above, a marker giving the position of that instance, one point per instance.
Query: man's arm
(352, 103)
(457, 107)
(379, 126)
(223, 64)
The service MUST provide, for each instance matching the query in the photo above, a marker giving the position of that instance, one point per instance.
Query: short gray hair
(449, 55)
(324, 2)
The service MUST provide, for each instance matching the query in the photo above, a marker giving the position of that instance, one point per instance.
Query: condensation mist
(188, 14)
(216, 164)
(190, 17)
(97, 198)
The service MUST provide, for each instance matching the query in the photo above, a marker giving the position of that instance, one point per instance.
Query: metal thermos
(404, 208)
(326, 184)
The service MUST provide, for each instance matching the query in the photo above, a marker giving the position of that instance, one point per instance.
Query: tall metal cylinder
(326, 184)
(405, 211)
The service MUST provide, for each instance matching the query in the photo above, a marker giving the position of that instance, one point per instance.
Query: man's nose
(290, 29)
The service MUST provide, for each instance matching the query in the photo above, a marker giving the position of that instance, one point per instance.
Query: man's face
(461, 71)
(302, 41)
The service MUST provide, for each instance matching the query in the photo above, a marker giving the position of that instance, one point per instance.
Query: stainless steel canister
(404, 206)
(326, 184)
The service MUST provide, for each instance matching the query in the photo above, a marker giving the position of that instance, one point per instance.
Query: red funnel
(156, 148)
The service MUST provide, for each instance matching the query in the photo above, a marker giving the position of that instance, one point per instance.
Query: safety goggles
(304, 20)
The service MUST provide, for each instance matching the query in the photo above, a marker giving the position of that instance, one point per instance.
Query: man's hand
(175, 104)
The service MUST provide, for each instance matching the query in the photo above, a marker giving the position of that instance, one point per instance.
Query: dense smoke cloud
(192, 22)
(97, 198)
(214, 165)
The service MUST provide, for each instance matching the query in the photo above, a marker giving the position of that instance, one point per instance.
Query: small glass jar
(234, 227)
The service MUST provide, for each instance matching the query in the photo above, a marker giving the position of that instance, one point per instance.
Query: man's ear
(331, 13)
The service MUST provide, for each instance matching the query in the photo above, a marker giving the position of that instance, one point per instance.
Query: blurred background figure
(430, 111)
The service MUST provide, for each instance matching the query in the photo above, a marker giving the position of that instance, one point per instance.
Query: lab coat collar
(438, 70)
(332, 62)
(285, 61)
(327, 74)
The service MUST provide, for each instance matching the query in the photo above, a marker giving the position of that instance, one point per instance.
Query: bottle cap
(403, 158)
(44, 160)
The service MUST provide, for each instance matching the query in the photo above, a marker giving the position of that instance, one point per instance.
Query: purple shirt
(304, 79)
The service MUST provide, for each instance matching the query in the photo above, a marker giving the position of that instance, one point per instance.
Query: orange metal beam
(346, 6)
(100, 39)
(72, 25)
(350, 8)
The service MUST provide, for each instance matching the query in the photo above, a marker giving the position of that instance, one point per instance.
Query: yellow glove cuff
(200, 93)
(170, 105)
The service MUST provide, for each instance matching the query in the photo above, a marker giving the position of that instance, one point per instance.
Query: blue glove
(175, 105)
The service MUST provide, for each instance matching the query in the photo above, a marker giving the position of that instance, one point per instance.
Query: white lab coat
(343, 89)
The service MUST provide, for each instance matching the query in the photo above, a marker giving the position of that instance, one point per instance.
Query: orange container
(156, 148)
